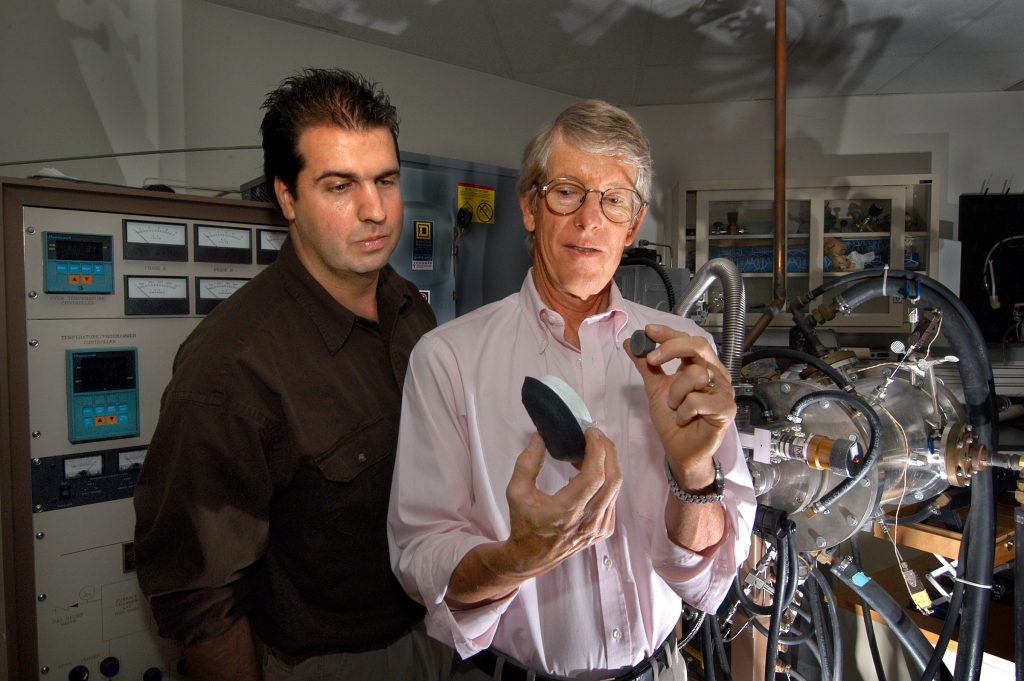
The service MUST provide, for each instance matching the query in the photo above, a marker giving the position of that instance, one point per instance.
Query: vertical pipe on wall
(780, 153)
(778, 302)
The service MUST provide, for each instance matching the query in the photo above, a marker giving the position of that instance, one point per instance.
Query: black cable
(818, 622)
(869, 624)
(723, 656)
(952, 612)
(911, 638)
(708, 648)
(774, 352)
(833, 616)
(794, 567)
(778, 604)
(670, 291)
(1018, 585)
(928, 510)
(800, 638)
(874, 440)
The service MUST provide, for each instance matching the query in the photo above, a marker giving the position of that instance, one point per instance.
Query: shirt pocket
(359, 450)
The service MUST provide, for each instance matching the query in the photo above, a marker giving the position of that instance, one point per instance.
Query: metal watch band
(713, 492)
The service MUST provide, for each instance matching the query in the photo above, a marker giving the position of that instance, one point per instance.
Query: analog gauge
(219, 288)
(159, 233)
(175, 288)
(83, 467)
(271, 240)
(222, 237)
(131, 460)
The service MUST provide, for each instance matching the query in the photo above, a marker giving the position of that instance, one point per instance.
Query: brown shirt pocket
(359, 450)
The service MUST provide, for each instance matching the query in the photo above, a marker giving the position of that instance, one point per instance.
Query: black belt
(487, 661)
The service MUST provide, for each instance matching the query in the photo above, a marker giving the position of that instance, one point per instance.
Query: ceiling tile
(997, 30)
(570, 34)
(724, 79)
(959, 73)
(677, 51)
(907, 27)
(839, 78)
(710, 30)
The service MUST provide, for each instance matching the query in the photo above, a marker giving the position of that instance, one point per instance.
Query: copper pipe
(780, 153)
(762, 323)
(778, 303)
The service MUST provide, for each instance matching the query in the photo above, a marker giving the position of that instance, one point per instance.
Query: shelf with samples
(834, 226)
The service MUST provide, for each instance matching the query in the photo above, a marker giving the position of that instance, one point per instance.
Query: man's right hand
(546, 528)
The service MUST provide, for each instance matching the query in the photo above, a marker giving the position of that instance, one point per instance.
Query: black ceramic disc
(554, 420)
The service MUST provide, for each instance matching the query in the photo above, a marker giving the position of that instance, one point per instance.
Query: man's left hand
(691, 408)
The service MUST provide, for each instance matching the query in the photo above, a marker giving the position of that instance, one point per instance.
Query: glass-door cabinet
(832, 228)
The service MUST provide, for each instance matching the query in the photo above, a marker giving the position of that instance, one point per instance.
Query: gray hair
(596, 127)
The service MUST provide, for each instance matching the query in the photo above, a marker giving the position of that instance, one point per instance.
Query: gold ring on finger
(710, 385)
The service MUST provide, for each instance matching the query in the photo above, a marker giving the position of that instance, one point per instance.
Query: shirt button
(617, 634)
(361, 457)
(607, 561)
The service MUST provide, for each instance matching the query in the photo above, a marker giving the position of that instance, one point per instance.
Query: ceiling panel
(638, 52)
(569, 34)
(913, 27)
(959, 73)
(997, 30)
(728, 79)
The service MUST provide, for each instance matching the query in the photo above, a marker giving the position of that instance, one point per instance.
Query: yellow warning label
(423, 229)
(479, 200)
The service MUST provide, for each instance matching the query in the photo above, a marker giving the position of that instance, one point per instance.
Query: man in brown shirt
(261, 508)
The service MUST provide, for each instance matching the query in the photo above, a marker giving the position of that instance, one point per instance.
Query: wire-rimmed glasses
(565, 197)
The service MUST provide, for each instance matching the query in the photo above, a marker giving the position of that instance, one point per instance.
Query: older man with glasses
(539, 568)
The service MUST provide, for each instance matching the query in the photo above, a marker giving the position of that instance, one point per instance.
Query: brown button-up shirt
(265, 488)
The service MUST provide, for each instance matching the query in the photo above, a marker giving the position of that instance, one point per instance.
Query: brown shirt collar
(332, 319)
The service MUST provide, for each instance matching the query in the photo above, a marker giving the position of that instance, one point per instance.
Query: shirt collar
(548, 325)
(333, 320)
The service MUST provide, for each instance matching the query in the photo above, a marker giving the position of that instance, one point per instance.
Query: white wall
(92, 77)
(964, 138)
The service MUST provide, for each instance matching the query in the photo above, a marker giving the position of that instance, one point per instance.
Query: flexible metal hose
(734, 318)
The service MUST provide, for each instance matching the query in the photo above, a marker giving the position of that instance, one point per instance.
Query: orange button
(74, 278)
(98, 420)
(86, 278)
(111, 418)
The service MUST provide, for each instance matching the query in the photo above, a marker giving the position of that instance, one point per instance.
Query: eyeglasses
(565, 197)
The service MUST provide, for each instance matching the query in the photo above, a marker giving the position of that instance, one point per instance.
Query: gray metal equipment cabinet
(833, 226)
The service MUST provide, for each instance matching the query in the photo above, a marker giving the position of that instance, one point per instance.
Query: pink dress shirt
(463, 426)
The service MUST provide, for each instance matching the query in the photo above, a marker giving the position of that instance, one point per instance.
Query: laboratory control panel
(78, 263)
(103, 394)
(76, 479)
(113, 281)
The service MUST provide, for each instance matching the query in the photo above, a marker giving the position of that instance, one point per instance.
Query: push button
(74, 278)
(86, 278)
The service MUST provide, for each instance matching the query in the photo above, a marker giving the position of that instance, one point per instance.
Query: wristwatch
(713, 492)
